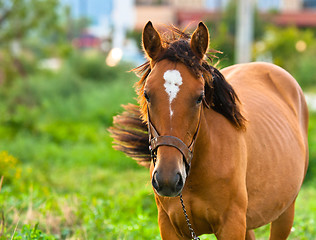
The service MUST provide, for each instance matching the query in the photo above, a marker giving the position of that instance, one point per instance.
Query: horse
(232, 143)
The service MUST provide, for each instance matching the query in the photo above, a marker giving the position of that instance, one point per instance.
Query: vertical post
(245, 24)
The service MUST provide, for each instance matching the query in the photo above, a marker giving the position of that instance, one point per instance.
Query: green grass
(91, 202)
(68, 182)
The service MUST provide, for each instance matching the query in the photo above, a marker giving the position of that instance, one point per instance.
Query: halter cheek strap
(155, 140)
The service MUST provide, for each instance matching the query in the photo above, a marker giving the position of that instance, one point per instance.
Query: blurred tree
(229, 17)
(76, 26)
(291, 48)
(223, 32)
(19, 17)
(22, 20)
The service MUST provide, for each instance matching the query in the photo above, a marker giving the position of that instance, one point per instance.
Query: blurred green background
(61, 179)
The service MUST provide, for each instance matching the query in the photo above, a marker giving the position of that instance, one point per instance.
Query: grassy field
(63, 180)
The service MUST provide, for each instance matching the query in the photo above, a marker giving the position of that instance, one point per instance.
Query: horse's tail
(130, 135)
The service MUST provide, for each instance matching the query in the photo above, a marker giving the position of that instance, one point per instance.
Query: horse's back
(276, 137)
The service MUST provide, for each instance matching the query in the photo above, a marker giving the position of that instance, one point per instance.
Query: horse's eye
(146, 96)
(199, 100)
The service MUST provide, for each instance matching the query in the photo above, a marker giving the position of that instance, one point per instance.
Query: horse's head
(176, 86)
(174, 96)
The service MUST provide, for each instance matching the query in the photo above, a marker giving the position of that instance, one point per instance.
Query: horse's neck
(202, 141)
(217, 136)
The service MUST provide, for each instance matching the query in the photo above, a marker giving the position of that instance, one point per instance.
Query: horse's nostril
(179, 182)
(168, 187)
(155, 182)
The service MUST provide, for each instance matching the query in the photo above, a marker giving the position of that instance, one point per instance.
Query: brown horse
(232, 142)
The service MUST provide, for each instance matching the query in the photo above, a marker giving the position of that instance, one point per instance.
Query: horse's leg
(167, 231)
(233, 229)
(250, 235)
(234, 225)
(281, 227)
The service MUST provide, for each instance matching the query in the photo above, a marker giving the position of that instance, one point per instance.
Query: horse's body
(276, 138)
(241, 178)
(265, 164)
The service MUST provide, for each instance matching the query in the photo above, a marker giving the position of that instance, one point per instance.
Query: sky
(93, 9)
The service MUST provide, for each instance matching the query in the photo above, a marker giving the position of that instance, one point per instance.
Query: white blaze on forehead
(173, 82)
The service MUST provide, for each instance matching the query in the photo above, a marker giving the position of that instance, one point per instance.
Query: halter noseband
(155, 140)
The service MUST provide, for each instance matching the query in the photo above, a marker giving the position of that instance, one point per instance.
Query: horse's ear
(200, 40)
(151, 41)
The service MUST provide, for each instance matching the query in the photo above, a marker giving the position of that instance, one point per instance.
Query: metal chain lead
(188, 220)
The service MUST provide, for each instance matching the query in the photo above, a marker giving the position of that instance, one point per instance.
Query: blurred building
(86, 40)
(162, 14)
(301, 13)
(183, 12)
(178, 12)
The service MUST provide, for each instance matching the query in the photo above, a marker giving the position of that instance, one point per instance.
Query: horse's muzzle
(168, 187)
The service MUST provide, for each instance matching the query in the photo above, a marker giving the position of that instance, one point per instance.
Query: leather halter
(155, 140)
